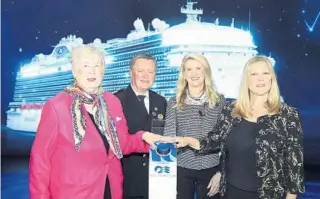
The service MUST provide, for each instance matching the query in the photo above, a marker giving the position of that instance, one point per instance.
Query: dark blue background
(31, 27)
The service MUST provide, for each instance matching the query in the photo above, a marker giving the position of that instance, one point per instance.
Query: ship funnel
(138, 25)
(159, 25)
(97, 41)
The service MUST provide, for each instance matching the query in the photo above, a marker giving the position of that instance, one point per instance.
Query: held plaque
(162, 167)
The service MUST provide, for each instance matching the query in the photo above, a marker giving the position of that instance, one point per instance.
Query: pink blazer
(58, 171)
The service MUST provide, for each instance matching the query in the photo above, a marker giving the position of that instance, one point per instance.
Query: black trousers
(192, 182)
(107, 190)
(236, 193)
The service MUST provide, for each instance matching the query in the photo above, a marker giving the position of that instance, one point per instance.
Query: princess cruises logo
(162, 169)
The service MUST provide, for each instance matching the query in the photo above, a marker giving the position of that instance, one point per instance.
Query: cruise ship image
(227, 49)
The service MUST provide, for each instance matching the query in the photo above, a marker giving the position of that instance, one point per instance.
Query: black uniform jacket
(135, 166)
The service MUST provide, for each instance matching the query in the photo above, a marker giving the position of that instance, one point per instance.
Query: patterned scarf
(102, 118)
(195, 100)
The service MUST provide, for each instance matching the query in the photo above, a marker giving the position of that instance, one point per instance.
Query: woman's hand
(181, 142)
(187, 141)
(291, 196)
(214, 184)
(152, 138)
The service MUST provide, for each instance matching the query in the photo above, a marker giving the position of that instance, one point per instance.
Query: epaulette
(158, 93)
(152, 91)
(118, 91)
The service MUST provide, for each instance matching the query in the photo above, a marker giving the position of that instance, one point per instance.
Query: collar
(136, 93)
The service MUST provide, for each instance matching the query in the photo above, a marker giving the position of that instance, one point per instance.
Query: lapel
(156, 107)
(266, 123)
(227, 121)
(156, 118)
(270, 124)
(91, 130)
(152, 113)
(230, 123)
(152, 105)
(132, 97)
(92, 135)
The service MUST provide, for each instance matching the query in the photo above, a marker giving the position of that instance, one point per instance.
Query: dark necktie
(141, 98)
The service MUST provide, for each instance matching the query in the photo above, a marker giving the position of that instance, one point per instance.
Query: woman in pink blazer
(81, 138)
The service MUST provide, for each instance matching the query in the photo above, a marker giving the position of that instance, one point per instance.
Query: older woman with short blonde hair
(82, 136)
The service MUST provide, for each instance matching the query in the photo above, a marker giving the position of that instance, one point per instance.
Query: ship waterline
(227, 49)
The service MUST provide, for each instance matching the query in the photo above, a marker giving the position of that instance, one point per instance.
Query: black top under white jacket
(279, 151)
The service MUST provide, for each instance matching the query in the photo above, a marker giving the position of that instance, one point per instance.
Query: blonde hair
(182, 86)
(242, 105)
(86, 49)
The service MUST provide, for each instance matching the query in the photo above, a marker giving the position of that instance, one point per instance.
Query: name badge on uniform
(163, 172)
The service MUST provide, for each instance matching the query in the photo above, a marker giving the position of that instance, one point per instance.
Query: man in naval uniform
(140, 106)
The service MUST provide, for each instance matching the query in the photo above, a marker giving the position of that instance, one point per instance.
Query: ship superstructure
(227, 49)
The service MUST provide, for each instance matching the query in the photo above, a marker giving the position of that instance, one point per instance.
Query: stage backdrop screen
(37, 38)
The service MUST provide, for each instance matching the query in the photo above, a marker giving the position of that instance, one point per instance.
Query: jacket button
(144, 164)
(144, 155)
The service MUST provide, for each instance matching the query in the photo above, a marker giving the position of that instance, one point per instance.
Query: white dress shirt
(146, 99)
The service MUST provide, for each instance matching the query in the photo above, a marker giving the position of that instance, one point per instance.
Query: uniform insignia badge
(160, 116)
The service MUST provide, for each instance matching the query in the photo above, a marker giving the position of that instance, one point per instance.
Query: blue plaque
(163, 172)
